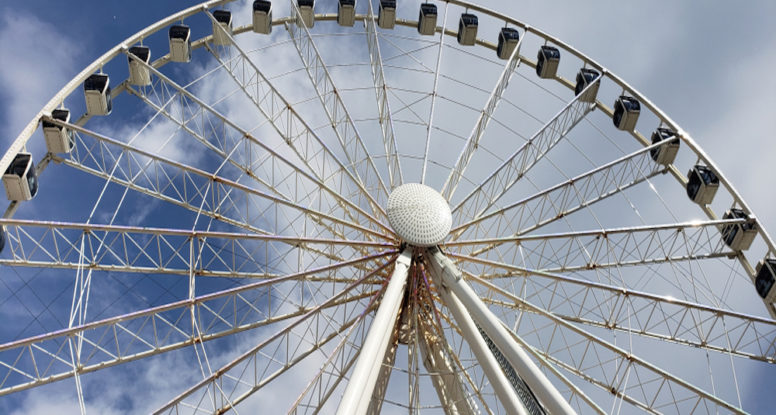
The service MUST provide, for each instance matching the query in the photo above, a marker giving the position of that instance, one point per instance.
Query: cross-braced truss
(233, 213)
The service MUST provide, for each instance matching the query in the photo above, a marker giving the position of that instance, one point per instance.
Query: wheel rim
(319, 204)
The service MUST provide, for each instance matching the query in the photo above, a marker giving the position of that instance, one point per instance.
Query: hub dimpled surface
(419, 214)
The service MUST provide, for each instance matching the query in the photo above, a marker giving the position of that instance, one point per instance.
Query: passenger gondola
(20, 179)
(467, 29)
(180, 43)
(427, 18)
(585, 77)
(666, 153)
(346, 12)
(306, 14)
(58, 138)
(702, 184)
(547, 61)
(507, 42)
(262, 17)
(764, 281)
(386, 16)
(739, 236)
(97, 94)
(139, 74)
(223, 19)
(626, 113)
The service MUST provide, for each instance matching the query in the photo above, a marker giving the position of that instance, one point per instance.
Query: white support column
(362, 382)
(443, 376)
(452, 280)
(504, 390)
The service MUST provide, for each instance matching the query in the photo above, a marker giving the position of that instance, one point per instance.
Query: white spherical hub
(419, 214)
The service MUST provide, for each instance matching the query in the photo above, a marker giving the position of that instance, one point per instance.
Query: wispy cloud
(48, 60)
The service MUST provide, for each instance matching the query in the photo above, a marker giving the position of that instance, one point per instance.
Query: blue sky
(709, 67)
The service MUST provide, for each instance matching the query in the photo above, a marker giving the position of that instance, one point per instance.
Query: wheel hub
(419, 214)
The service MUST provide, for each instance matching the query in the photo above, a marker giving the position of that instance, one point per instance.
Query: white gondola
(139, 73)
(306, 14)
(223, 19)
(547, 61)
(702, 184)
(58, 139)
(467, 29)
(739, 237)
(346, 12)
(386, 16)
(585, 77)
(507, 42)
(666, 153)
(764, 281)
(626, 113)
(180, 43)
(427, 19)
(262, 17)
(20, 179)
(97, 94)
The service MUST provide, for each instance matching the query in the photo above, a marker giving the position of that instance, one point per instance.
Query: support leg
(362, 382)
(451, 279)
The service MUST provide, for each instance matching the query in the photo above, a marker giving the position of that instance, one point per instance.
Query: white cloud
(37, 61)
(27, 34)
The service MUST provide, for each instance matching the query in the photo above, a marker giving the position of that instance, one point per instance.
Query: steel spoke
(252, 370)
(650, 315)
(187, 187)
(434, 94)
(238, 137)
(383, 106)
(292, 127)
(484, 196)
(167, 251)
(451, 183)
(358, 157)
(44, 359)
(564, 198)
(586, 353)
(606, 248)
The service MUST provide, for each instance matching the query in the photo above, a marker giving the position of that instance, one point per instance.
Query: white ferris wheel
(375, 207)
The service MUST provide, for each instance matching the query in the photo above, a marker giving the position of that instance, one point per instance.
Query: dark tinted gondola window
(709, 177)
(550, 52)
(427, 9)
(261, 6)
(618, 114)
(2, 239)
(96, 82)
(142, 52)
(32, 180)
(108, 98)
(692, 188)
(764, 281)
(58, 114)
(469, 19)
(584, 77)
(19, 165)
(510, 34)
(223, 16)
(179, 32)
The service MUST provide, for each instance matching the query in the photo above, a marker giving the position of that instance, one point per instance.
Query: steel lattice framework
(234, 212)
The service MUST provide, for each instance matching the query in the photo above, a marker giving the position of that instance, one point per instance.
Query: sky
(705, 65)
(708, 65)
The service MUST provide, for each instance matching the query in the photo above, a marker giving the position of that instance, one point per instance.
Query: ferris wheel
(374, 207)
